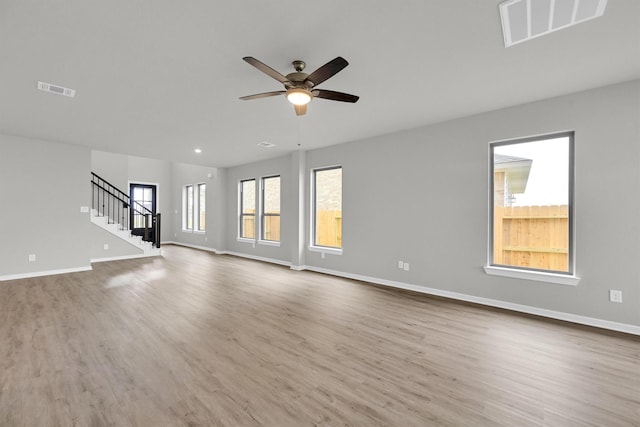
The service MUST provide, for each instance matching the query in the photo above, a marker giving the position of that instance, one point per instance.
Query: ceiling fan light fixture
(298, 96)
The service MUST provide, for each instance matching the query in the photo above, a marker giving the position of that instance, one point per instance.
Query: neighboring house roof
(517, 171)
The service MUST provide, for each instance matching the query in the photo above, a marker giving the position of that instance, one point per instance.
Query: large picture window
(532, 204)
(327, 207)
(270, 209)
(247, 199)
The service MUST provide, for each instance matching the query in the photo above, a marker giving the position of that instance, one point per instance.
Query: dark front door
(143, 203)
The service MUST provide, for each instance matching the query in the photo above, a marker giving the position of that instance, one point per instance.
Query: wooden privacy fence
(271, 227)
(328, 228)
(531, 236)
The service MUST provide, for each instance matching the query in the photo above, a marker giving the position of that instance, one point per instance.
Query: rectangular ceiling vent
(48, 87)
(524, 20)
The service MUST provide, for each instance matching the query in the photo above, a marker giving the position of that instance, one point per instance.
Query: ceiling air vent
(48, 87)
(524, 20)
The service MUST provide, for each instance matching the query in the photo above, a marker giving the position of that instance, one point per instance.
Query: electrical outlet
(84, 209)
(32, 257)
(400, 265)
(105, 246)
(406, 266)
(615, 295)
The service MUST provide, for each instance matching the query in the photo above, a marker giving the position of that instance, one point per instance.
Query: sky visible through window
(548, 182)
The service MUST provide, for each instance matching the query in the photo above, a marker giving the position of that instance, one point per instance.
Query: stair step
(117, 230)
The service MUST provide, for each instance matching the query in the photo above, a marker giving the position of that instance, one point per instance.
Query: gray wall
(437, 177)
(116, 246)
(214, 236)
(42, 187)
(288, 216)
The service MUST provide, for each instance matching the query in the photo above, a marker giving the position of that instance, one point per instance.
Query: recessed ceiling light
(265, 144)
(197, 150)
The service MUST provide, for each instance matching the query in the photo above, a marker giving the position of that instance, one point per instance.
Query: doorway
(143, 202)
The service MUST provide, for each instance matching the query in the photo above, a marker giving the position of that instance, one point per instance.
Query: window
(327, 207)
(192, 204)
(247, 209)
(532, 204)
(202, 207)
(270, 209)
(187, 208)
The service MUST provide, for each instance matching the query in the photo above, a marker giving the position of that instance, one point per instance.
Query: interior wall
(214, 236)
(288, 209)
(115, 246)
(120, 170)
(43, 186)
(112, 167)
(421, 196)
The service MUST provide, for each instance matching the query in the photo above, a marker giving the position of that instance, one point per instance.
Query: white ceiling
(158, 78)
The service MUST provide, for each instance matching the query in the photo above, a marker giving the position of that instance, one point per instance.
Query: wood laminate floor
(196, 339)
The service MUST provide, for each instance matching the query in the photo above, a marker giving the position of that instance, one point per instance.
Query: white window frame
(263, 214)
(568, 278)
(197, 208)
(240, 217)
(185, 208)
(313, 247)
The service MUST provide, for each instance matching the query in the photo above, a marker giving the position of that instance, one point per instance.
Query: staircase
(113, 211)
(147, 248)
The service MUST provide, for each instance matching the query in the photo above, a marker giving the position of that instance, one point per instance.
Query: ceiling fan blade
(262, 95)
(266, 69)
(328, 70)
(301, 110)
(334, 96)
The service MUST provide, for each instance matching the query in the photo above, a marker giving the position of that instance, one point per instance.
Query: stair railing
(116, 206)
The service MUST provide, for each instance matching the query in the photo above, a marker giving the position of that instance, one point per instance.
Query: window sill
(184, 230)
(269, 243)
(199, 232)
(538, 276)
(245, 240)
(326, 250)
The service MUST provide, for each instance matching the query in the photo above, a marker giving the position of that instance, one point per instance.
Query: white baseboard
(558, 315)
(257, 258)
(238, 254)
(189, 245)
(43, 273)
(122, 257)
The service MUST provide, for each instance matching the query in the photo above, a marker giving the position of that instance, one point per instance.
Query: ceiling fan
(300, 87)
